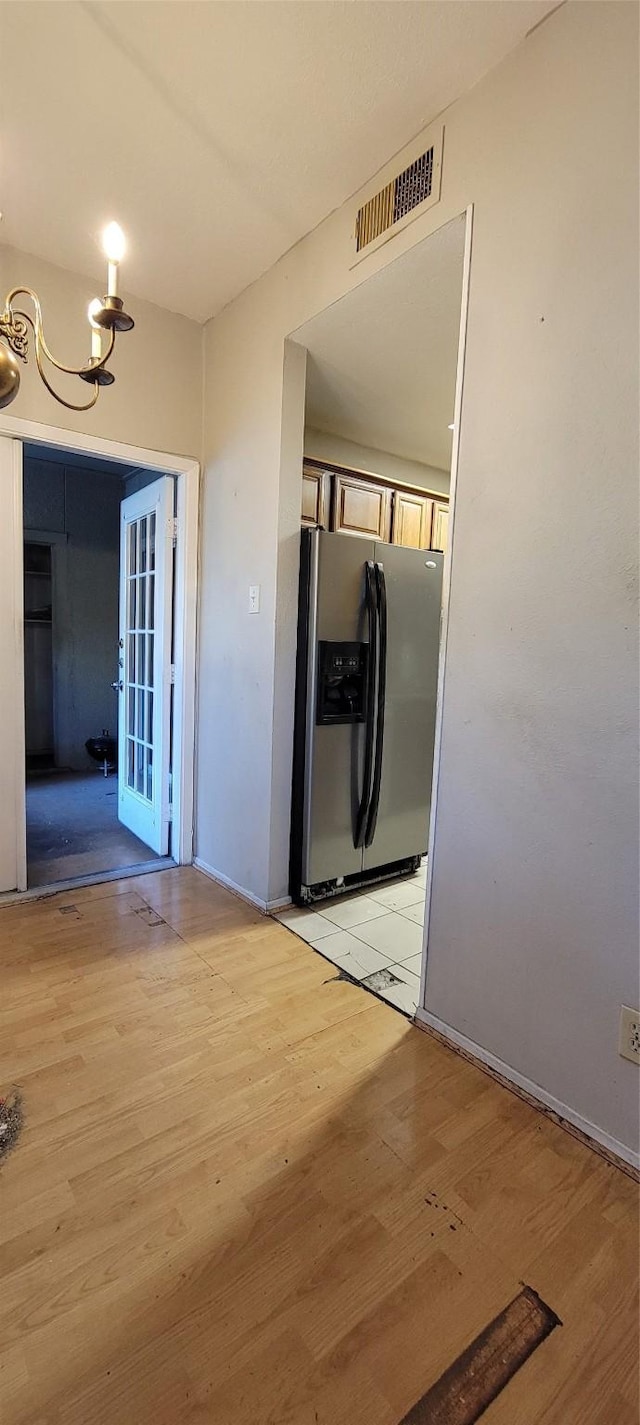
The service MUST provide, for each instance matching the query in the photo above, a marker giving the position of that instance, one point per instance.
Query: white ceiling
(219, 133)
(382, 361)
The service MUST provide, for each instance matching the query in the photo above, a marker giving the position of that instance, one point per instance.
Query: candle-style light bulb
(114, 244)
(96, 332)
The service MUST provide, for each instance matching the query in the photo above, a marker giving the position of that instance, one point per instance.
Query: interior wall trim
(595, 1138)
(186, 590)
(267, 907)
(446, 597)
(230, 885)
(133, 455)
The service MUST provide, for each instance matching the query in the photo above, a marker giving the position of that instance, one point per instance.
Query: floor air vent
(417, 183)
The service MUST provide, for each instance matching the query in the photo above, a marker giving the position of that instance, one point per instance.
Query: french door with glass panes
(144, 681)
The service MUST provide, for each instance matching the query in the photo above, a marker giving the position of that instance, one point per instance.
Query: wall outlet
(254, 598)
(629, 1043)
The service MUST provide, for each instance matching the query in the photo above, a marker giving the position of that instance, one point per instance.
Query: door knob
(117, 686)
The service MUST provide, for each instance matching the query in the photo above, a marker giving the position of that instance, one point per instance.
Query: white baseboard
(229, 885)
(266, 906)
(280, 904)
(532, 1090)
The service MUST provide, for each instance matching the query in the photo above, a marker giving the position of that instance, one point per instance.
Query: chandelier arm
(38, 331)
(69, 404)
(25, 316)
(73, 370)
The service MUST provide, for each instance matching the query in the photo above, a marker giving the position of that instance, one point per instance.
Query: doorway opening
(98, 539)
(383, 381)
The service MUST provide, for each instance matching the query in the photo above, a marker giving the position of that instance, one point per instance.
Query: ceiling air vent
(418, 184)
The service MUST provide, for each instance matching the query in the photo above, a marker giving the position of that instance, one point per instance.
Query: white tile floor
(374, 935)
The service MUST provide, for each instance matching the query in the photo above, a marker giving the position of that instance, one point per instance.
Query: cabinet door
(412, 516)
(361, 508)
(440, 530)
(315, 496)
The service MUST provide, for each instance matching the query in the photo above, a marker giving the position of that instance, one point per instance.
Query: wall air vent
(417, 186)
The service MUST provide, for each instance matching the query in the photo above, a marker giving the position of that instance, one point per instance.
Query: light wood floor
(250, 1194)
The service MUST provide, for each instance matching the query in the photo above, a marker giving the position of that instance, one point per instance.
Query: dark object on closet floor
(104, 750)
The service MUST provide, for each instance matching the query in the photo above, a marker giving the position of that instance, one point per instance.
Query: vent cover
(404, 193)
(404, 197)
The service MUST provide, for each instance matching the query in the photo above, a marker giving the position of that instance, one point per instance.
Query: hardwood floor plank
(248, 1193)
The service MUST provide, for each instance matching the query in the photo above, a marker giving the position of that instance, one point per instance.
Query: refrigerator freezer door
(333, 759)
(413, 580)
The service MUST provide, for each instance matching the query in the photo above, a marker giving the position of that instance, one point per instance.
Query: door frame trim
(187, 473)
(446, 594)
(15, 712)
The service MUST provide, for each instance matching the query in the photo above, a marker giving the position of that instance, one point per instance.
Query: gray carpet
(73, 828)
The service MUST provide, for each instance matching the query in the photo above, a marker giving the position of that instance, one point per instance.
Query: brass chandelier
(106, 315)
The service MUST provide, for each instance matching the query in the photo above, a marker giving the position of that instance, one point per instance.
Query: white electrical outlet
(629, 1044)
(254, 598)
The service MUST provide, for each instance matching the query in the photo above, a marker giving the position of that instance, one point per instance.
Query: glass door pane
(139, 655)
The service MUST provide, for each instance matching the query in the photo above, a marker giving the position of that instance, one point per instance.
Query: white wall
(325, 445)
(156, 400)
(533, 941)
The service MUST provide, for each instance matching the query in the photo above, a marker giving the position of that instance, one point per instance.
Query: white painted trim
(38, 434)
(229, 885)
(446, 592)
(534, 1090)
(16, 744)
(186, 665)
(185, 593)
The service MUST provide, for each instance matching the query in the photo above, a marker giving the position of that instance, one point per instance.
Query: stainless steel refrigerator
(367, 671)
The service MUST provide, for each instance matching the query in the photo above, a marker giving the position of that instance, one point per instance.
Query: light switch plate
(254, 598)
(629, 1043)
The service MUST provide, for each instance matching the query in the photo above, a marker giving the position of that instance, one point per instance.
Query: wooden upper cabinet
(412, 518)
(361, 508)
(440, 528)
(369, 507)
(315, 496)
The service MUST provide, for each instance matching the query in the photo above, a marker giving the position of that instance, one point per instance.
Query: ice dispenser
(342, 671)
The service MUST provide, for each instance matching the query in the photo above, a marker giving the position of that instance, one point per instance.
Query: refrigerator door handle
(381, 611)
(371, 597)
